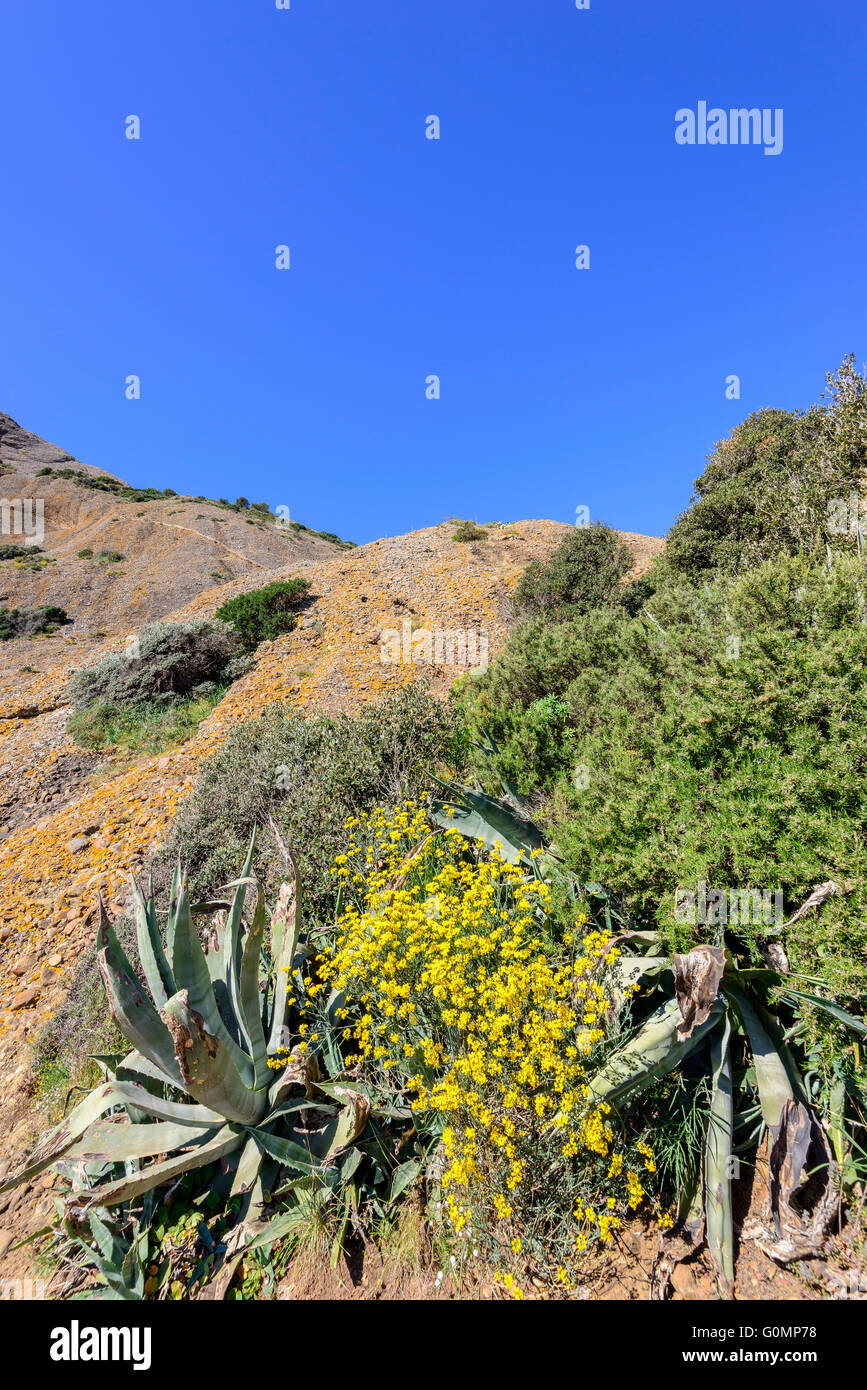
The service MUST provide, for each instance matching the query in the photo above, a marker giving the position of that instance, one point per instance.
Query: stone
(24, 963)
(27, 996)
(56, 959)
(6, 1238)
(77, 844)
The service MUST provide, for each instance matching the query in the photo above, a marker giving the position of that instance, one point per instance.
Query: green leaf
(249, 1001)
(772, 1078)
(857, 1025)
(157, 971)
(193, 976)
(118, 1143)
(483, 817)
(209, 1073)
(130, 1007)
(404, 1177)
(654, 1051)
(226, 1141)
(718, 1153)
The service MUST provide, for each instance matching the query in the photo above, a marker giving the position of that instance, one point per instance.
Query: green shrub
(722, 740)
(264, 613)
(584, 572)
(30, 622)
(469, 531)
(170, 661)
(85, 554)
(11, 551)
(110, 557)
(768, 488)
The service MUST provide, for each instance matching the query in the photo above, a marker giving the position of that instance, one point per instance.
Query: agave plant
(709, 1003)
(197, 1086)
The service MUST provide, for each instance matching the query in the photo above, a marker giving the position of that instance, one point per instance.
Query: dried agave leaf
(697, 976)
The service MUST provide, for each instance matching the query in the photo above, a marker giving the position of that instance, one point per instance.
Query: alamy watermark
(24, 517)
(461, 646)
(847, 516)
(738, 906)
(737, 126)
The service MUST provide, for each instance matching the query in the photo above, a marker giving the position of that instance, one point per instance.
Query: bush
(721, 741)
(264, 613)
(311, 774)
(110, 557)
(30, 622)
(85, 554)
(777, 484)
(584, 572)
(469, 531)
(171, 661)
(11, 551)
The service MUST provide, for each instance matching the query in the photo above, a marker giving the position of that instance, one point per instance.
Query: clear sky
(410, 257)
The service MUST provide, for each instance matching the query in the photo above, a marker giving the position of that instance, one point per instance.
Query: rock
(56, 959)
(24, 963)
(4, 932)
(27, 996)
(76, 845)
(6, 1238)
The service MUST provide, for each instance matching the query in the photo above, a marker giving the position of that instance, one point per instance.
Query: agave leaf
(772, 1078)
(697, 976)
(160, 980)
(177, 881)
(193, 976)
(208, 1072)
(487, 818)
(129, 1006)
(249, 1000)
(285, 927)
(118, 1143)
(330, 1046)
(857, 1025)
(718, 1151)
(655, 1050)
(286, 1151)
(232, 931)
(106, 1097)
(135, 1067)
(224, 1142)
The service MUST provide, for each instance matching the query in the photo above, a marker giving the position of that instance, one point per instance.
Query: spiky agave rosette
(205, 1028)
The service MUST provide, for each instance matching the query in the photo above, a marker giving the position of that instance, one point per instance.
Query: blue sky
(413, 257)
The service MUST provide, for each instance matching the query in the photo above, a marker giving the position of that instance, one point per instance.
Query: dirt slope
(173, 548)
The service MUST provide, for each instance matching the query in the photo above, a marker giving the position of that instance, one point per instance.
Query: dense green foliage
(167, 663)
(782, 482)
(30, 622)
(722, 739)
(584, 572)
(265, 613)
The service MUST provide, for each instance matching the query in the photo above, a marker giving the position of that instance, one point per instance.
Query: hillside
(74, 825)
(171, 547)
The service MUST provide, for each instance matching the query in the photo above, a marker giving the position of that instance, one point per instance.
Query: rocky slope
(172, 548)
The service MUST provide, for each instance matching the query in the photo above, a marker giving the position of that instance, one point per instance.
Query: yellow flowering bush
(463, 993)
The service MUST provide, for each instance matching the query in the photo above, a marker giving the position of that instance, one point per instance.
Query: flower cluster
(461, 988)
